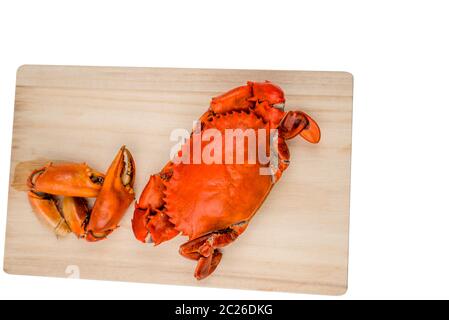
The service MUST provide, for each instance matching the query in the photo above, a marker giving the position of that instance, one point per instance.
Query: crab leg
(150, 223)
(114, 198)
(205, 248)
(281, 159)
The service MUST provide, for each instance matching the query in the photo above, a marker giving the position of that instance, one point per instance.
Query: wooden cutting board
(297, 242)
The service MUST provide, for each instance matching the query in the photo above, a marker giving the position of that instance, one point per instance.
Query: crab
(74, 182)
(213, 203)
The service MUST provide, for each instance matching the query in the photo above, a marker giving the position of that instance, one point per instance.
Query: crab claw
(75, 212)
(115, 197)
(297, 122)
(236, 98)
(67, 179)
(269, 92)
(244, 97)
(45, 208)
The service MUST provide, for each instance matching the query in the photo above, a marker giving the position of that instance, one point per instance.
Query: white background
(396, 50)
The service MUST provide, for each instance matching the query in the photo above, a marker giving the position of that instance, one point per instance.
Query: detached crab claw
(66, 179)
(115, 197)
(75, 182)
(47, 211)
(69, 180)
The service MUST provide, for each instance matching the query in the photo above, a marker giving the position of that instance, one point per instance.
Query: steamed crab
(213, 204)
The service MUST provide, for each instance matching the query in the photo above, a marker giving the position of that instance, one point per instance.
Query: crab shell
(201, 198)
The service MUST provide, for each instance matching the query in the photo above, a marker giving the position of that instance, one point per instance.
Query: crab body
(212, 203)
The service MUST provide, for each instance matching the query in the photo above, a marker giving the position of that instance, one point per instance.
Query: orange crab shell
(201, 198)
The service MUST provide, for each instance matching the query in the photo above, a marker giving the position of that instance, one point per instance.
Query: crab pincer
(45, 208)
(69, 180)
(57, 195)
(66, 179)
(115, 197)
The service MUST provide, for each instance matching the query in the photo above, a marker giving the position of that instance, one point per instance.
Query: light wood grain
(297, 242)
